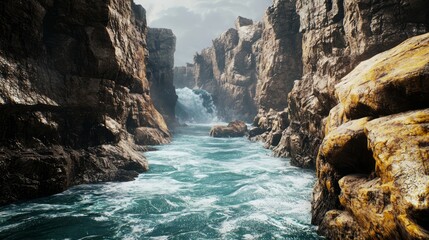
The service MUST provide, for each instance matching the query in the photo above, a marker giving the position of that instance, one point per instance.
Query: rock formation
(73, 92)
(162, 45)
(184, 76)
(228, 70)
(375, 193)
(372, 170)
(234, 129)
(280, 62)
(338, 35)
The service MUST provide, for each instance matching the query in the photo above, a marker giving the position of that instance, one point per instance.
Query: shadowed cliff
(74, 97)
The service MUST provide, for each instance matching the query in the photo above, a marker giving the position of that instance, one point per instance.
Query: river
(197, 187)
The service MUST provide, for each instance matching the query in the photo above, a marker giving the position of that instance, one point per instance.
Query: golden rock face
(391, 82)
(379, 168)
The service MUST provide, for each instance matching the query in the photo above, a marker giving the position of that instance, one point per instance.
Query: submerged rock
(234, 129)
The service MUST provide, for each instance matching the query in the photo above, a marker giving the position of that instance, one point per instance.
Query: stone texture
(337, 36)
(392, 82)
(372, 174)
(280, 62)
(162, 45)
(73, 91)
(228, 70)
(234, 129)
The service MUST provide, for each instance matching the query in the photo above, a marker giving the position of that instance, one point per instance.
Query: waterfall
(195, 106)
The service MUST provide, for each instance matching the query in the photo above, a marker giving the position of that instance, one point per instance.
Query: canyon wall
(370, 153)
(280, 61)
(373, 176)
(228, 70)
(74, 97)
(338, 35)
(162, 45)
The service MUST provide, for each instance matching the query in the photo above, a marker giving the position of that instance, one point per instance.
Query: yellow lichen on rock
(374, 174)
(345, 149)
(391, 82)
(369, 202)
(400, 144)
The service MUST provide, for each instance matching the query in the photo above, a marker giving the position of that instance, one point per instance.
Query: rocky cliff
(336, 36)
(162, 45)
(184, 76)
(372, 182)
(280, 62)
(228, 70)
(372, 164)
(73, 95)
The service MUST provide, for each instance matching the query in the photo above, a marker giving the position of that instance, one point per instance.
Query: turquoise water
(197, 188)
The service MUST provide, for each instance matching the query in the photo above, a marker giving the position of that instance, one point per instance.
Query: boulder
(233, 129)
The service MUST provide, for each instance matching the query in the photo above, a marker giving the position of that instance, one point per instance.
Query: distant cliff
(228, 70)
(74, 97)
(162, 45)
(184, 76)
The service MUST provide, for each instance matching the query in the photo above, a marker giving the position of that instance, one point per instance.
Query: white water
(198, 187)
(195, 106)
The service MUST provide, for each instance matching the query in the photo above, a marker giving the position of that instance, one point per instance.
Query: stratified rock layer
(228, 70)
(373, 179)
(73, 91)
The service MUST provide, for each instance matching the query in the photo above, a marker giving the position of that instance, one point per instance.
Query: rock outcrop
(73, 92)
(162, 45)
(184, 76)
(234, 129)
(372, 171)
(280, 62)
(337, 36)
(228, 70)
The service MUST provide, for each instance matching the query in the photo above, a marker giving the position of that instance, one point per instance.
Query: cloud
(197, 22)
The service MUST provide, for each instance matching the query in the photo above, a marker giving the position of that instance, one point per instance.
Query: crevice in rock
(420, 217)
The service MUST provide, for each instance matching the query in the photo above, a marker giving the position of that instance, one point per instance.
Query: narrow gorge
(104, 136)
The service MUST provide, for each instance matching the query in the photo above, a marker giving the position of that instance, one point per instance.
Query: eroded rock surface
(184, 76)
(373, 174)
(280, 62)
(337, 36)
(228, 70)
(73, 91)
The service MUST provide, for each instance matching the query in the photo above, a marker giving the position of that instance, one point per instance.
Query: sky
(197, 22)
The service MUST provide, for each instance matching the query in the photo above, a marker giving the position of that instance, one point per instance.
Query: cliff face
(228, 70)
(338, 35)
(73, 95)
(280, 61)
(372, 177)
(184, 76)
(162, 45)
(372, 170)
